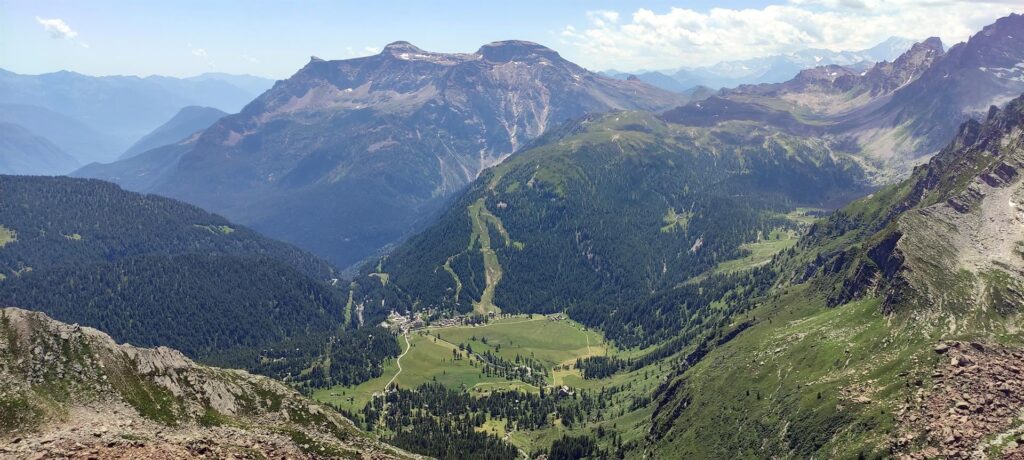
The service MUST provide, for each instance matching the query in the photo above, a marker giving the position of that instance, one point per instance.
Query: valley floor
(553, 341)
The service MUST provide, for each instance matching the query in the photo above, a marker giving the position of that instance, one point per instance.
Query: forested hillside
(153, 271)
(619, 219)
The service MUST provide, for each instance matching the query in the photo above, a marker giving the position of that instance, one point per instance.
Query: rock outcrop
(71, 391)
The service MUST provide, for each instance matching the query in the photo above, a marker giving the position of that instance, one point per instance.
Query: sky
(275, 38)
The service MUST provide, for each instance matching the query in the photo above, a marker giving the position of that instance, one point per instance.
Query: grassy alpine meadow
(553, 340)
(430, 357)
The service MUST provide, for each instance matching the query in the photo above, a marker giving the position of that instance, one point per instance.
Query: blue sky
(274, 38)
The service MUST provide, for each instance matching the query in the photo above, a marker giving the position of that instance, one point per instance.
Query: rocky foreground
(973, 409)
(72, 392)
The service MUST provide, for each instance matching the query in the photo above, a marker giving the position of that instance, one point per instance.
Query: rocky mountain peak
(923, 53)
(1012, 23)
(401, 47)
(931, 42)
(887, 76)
(516, 50)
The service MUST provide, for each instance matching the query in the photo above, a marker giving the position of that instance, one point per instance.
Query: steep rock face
(963, 253)
(946, 244)
(896, 113)
(832, 89)
(923, 115)
(346, 156)
(72, 391)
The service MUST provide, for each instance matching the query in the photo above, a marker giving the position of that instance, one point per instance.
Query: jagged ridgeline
(608, 214)
(948, 242)
(894, 329)
(154, 271)
(75, 392)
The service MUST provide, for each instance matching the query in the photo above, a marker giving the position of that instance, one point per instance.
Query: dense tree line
(417, 416)
(154, 271)
(599, 367)
(525, 369)
(71, 222)
(349, 357)
(570, 447)
(200, 304)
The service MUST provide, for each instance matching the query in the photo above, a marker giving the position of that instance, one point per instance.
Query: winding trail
(408, 346)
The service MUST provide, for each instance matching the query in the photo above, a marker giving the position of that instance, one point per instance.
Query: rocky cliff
(71, 391)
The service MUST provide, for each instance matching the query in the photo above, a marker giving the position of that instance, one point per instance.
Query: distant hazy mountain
(186, 122)
(71, 135)
(121, 108)
(346, 157)
(985, 71)
(22, 152)
(251, 83)
(770, 69)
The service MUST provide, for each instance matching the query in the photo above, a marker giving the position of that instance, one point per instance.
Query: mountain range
(347, 157)
(769, 69)
(22, 152)
(543, 262)
(98, 118)
(897, 114)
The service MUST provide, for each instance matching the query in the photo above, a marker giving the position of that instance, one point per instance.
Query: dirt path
(398, 362)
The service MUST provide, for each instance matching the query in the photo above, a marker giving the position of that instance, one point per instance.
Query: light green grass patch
(383, 277)
(7, 236)
(481, 218)
(552, 342)
(760, 252)
(428, 360)
(675, 221)
(217, 229)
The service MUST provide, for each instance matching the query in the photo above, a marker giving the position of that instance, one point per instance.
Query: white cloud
(57, 28)
(603, 18)
(201, 53)
(250, 59)
(371, 50)
(686, 37)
